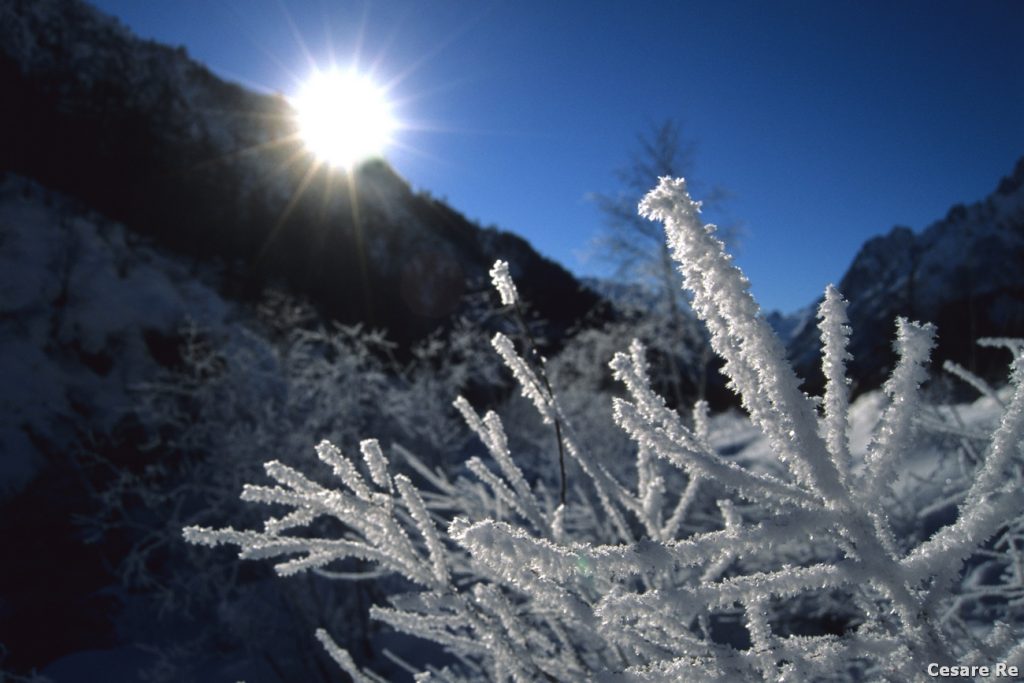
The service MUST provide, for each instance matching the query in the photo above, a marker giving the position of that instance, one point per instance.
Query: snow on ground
(944, 429)
(77, 300)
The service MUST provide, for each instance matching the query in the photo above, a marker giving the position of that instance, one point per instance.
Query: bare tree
(640, 254)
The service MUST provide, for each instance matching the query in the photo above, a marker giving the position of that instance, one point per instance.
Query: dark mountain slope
(150, 138)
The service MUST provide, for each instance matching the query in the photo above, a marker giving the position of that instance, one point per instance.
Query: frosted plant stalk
(503, 283)
(519, 587)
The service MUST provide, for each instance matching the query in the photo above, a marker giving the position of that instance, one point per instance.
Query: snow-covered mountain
(148, 137)
(791, 325)
(963, 273)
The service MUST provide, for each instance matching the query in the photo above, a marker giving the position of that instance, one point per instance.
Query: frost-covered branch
(677, 561)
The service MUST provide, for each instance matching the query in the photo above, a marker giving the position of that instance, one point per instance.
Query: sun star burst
(343, 117)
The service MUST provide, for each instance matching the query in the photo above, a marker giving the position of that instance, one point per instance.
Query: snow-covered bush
(233, 392)
(697, 567)
(228, 395)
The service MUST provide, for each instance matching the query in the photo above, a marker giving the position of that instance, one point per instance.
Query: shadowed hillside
(150, 138)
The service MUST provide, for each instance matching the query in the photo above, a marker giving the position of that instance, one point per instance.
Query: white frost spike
(650, 491)
(413, 503)
(558, 524)
(343, 468)
(343, 659)
(1014, 346)
(492, 433)
(754, 359)
(500, 452)
(701, 428)
(913, 343)
(503, 283)
(835, 337)
(376, 463)
(1007, 442)
(532, 387)
(501, 490)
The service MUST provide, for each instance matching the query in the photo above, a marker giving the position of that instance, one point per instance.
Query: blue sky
(829, 122)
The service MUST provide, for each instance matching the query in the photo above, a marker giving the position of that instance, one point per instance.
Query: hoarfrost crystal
(628, 578)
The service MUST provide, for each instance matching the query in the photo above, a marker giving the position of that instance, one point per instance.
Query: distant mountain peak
(1012, 183)
(962, 272)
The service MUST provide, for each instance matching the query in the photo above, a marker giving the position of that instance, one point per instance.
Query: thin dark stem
(561, 457)
(532, 352)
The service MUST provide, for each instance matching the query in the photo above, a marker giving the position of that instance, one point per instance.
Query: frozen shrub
(708, 580)
(234, 394)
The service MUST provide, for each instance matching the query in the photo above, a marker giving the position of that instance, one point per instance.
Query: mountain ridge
(961, 272)
(152, 139)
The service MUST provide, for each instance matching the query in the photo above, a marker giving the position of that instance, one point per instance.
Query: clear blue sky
(829, 121)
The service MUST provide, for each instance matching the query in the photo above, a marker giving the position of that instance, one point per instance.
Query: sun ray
(360, 250)
(241, 152)
(440, 46)
(297, 34)
(300, 190)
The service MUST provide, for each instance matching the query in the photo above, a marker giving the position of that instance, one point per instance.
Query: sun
(343, 117)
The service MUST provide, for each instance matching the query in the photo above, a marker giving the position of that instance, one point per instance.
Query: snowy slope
(82, 306)
(926, 472)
